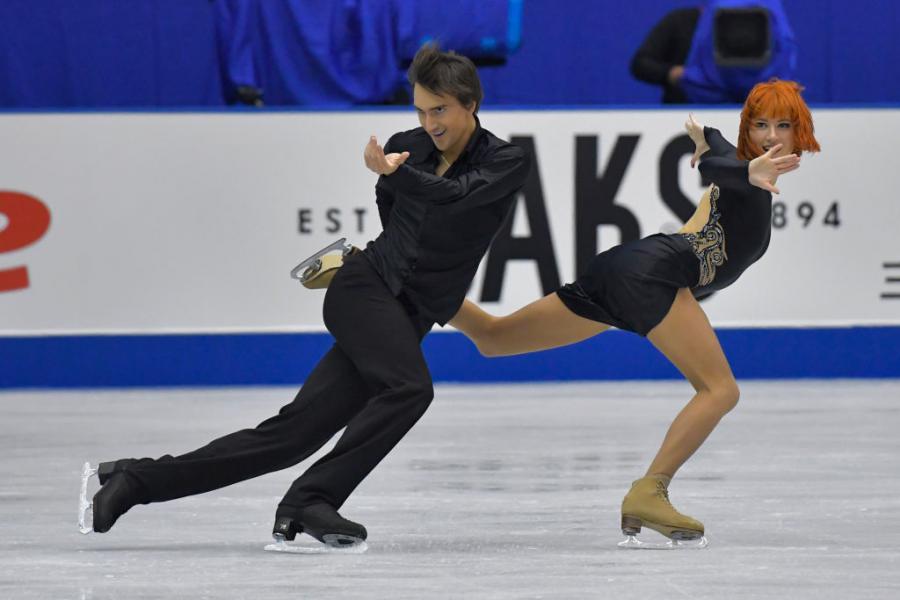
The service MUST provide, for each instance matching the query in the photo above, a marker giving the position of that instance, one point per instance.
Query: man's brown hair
(446, 73)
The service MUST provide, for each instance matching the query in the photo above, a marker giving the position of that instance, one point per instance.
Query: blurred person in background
(716, 52)
(661, 57)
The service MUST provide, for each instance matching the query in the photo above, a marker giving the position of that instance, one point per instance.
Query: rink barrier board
(153, 223)
(263, 359)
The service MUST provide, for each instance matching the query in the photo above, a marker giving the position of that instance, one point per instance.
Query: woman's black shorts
(632, 286)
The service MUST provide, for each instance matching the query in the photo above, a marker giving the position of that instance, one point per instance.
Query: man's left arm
(503, 173)
(384, 197)
(384, 200)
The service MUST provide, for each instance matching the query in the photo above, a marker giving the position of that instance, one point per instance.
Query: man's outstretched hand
(379, 162)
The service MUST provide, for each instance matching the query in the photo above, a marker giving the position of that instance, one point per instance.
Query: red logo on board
(27, 220)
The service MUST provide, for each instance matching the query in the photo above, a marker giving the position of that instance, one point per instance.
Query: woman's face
(766, 132)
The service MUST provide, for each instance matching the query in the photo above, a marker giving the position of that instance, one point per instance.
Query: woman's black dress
(632, 286)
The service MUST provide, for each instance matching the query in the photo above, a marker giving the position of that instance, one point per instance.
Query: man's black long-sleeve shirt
(437, 228)
(666, 46)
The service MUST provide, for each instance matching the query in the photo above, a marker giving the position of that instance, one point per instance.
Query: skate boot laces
(663, 492)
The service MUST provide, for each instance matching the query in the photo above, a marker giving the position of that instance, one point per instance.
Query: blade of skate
(85, 514)
(281, 545)
(632, 543)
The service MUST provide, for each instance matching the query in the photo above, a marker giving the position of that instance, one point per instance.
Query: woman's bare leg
(684, 336)
(543, 324)
(687, 339)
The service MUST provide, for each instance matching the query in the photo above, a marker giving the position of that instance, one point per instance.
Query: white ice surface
(499, 492)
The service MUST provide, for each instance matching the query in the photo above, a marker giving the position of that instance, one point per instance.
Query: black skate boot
(106, 470)
(87, 511)
(286, 528)
(113, 499)
(322, 522)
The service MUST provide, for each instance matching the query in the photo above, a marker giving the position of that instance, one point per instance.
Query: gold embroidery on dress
(709, 242)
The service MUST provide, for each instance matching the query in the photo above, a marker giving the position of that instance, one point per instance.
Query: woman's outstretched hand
(695, 132)
(764, 170)
(379, 162)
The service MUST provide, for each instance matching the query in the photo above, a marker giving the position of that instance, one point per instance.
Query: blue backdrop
(581, 55)
(105, 53)
(61, 53)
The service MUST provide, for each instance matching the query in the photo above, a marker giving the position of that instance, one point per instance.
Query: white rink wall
(191, 222)
(163, 223)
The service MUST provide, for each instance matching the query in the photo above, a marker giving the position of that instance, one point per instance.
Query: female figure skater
(651, 287)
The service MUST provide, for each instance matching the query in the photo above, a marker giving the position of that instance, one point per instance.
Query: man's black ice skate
(286, 528)
(107, 469)
(322, 522)
(112, 501)
(116, 495)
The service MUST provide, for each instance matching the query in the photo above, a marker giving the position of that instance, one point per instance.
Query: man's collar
(470, 145)
(473, 139)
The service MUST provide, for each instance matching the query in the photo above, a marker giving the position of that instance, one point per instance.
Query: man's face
(448, 122)
(766, 132)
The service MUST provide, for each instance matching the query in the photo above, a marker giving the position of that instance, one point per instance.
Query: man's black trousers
(373, 381)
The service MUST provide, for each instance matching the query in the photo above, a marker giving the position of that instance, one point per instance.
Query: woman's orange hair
(776, 99)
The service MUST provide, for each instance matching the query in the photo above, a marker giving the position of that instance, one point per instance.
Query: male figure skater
(443, 192)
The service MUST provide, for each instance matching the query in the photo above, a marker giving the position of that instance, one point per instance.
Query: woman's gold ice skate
(647, 505)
